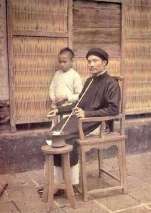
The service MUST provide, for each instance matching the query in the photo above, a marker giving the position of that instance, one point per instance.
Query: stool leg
(119, 160)
(67, 179)
(46, 180)
(51, 183)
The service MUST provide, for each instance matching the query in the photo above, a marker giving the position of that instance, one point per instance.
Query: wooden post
(10, 66)
(3, 56)
(70, 23)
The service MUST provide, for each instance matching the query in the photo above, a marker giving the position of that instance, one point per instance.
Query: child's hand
(52, 113)
(79, 112)
(60, 100)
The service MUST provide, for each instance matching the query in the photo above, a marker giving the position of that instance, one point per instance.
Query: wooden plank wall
(97, 24)
(38, 30)
(137, 55)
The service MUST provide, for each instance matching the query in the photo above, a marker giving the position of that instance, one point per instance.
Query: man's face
(65, 62)
(96, 65)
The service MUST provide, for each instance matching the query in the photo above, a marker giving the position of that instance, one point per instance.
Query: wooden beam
(41, 34)
(122, 65)
(109, 1)
(70, 23)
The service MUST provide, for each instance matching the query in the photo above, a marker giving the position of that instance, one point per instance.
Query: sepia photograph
(75, 106)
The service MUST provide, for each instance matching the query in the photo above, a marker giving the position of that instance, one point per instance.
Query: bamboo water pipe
(76, 106)
(58, 138)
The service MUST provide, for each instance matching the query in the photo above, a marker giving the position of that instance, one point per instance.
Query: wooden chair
(102, 141)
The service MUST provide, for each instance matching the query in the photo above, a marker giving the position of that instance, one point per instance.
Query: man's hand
(52, 113)
(79, 112)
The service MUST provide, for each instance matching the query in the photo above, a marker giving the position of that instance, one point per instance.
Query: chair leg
(83, 175)
(100, 162)
(67, 179)
(119, 161)
(122, 165)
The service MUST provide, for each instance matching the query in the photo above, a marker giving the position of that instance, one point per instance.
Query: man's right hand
(52, 113)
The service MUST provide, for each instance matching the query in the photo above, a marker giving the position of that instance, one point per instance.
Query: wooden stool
(50, 185)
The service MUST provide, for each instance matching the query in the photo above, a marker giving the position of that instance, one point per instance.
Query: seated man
(100, 99)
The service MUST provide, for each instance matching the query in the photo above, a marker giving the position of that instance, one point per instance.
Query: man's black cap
(98, 52)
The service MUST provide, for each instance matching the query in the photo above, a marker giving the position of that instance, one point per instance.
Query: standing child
(64, 90)
(66, 84)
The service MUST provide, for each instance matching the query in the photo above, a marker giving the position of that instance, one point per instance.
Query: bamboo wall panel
(140, 3)
(33, 67)
(39, 17)
(97, 24)
(137, 51)
(38, 30)
(137, 21)
(4, 94)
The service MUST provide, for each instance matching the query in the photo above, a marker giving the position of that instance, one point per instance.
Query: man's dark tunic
(101, 99)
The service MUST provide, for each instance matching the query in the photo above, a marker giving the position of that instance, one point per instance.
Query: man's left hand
(79, 112)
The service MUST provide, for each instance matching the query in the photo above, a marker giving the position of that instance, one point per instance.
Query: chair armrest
(96, 119)
(105, 118)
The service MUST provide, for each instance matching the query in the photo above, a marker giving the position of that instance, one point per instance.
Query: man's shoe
(58, 192)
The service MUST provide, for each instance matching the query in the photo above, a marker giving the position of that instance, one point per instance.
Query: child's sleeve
(52, 89)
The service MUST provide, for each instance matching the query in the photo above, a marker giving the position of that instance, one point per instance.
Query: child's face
(65, 62)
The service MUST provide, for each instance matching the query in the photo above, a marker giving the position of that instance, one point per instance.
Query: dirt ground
(21, 194)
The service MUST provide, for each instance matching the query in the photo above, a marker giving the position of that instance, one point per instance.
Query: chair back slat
(121, 81)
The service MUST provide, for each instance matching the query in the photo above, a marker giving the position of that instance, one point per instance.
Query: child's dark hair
(67, 50)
